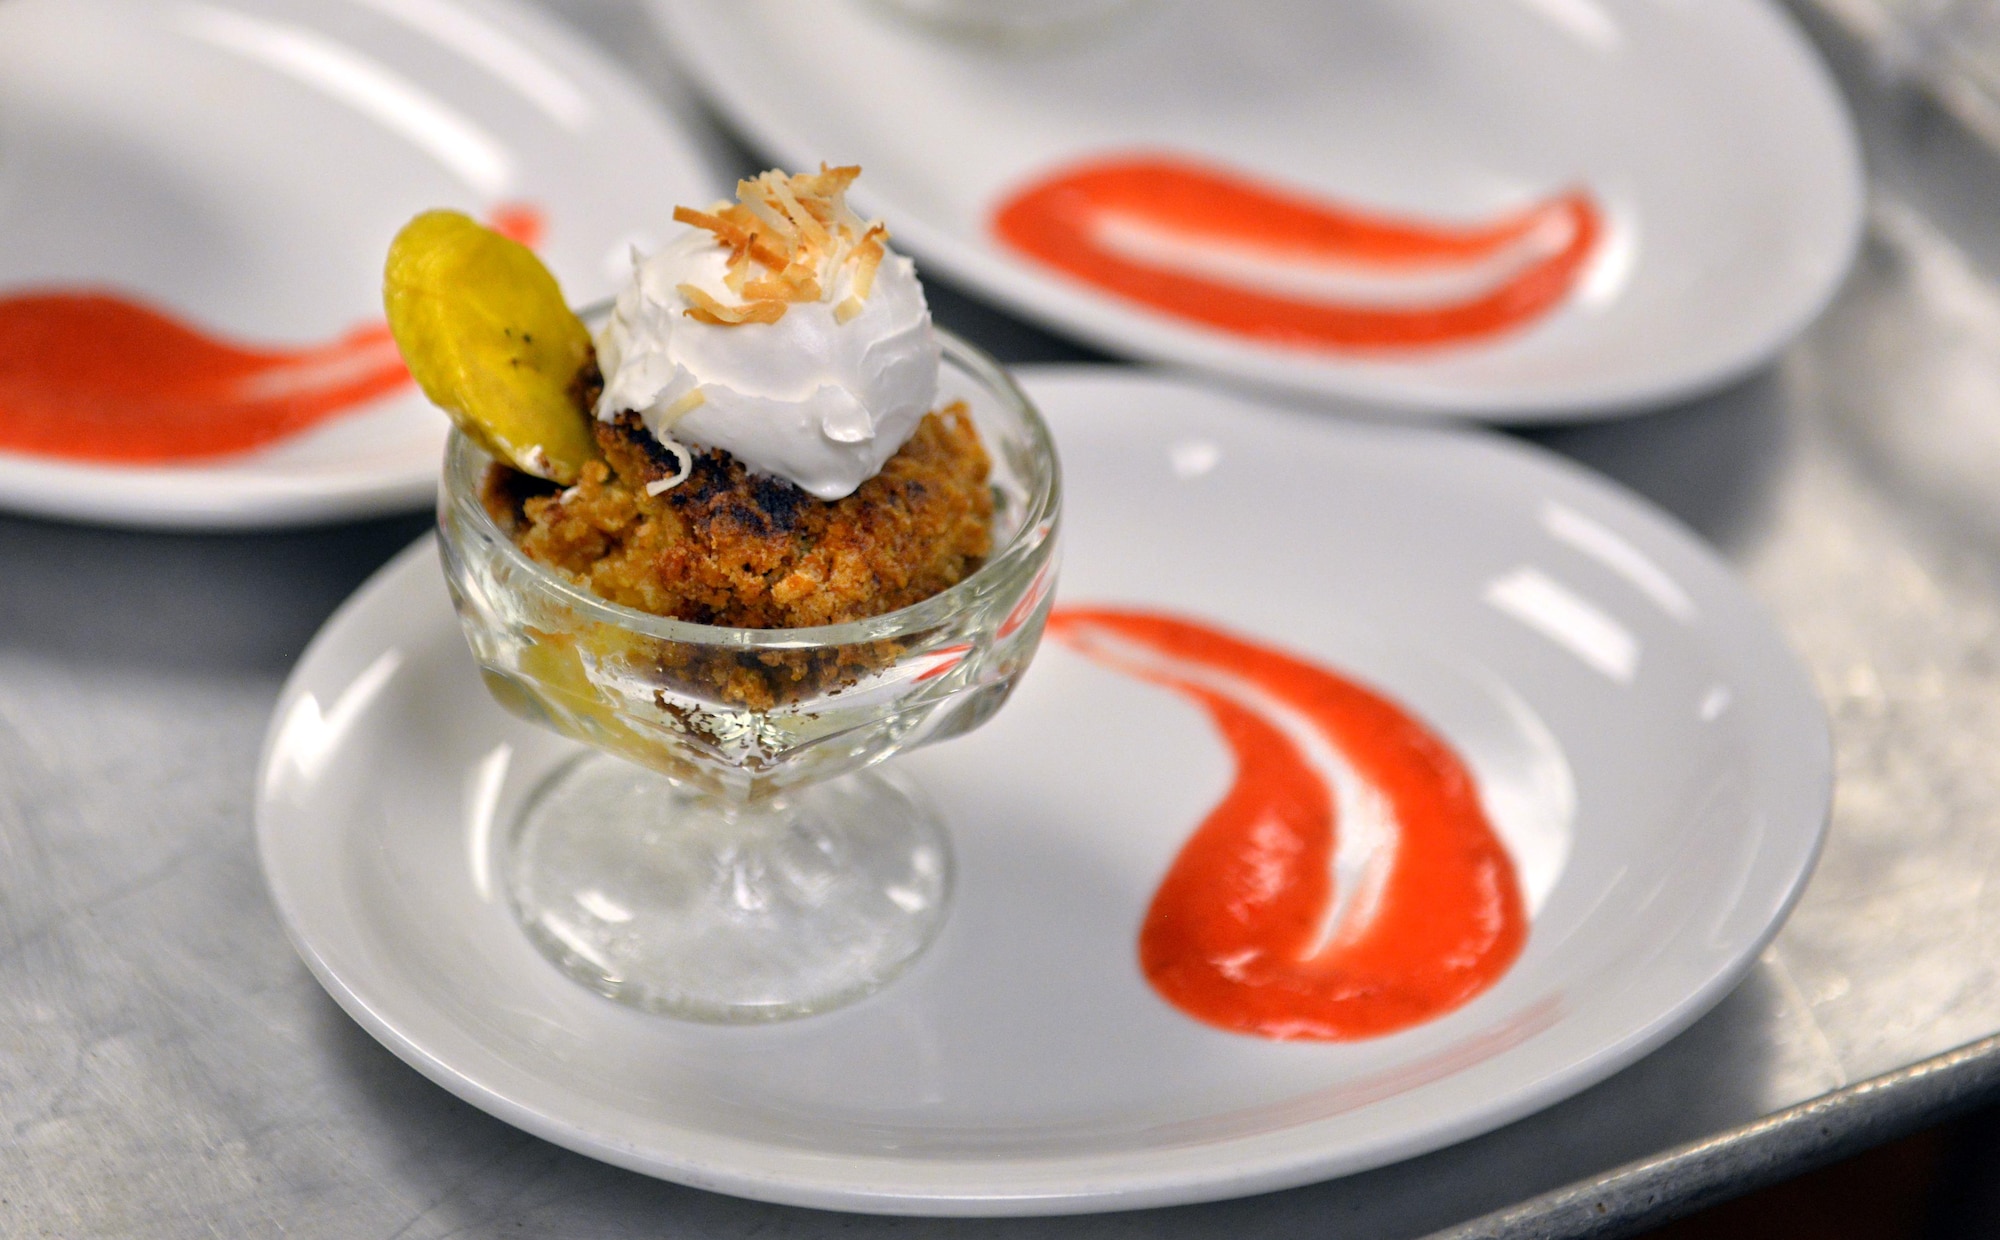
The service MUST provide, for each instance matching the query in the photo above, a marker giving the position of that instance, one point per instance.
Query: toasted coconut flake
(831, 183)
(867, 257)
(694, 399)
(660, 486)
(726, 230)
(787, 287)
(707, 309)
(759, 207)
(845, 219)
(810, 229)
(736, 275)
(801, 232)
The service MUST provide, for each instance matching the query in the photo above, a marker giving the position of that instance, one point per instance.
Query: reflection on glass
(482, 806)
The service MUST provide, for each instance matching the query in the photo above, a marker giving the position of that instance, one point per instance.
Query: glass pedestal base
(692, 905)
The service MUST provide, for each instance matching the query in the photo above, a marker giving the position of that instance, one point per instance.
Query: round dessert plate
(1648, 749)
(1719, 157)
(192, 182)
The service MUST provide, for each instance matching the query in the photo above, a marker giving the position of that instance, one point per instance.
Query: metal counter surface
(169, 1069)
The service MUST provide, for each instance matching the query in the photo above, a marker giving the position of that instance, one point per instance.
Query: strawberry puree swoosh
(1233, 935)
(93, 375)
(1058, 221)
(96, 377)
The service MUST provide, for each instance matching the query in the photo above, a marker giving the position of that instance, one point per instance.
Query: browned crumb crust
(727, 547)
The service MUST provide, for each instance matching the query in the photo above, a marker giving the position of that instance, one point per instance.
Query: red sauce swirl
(1058, 220)
(92, 375)
(1233, 935)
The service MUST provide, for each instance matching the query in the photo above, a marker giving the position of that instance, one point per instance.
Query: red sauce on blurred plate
(1061, 221)
(93, 375)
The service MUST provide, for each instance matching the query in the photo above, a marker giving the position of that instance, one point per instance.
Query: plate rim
(1134, 335)
(232, 493)
(867, 1183)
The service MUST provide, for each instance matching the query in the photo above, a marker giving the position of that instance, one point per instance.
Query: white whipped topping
(820, 403)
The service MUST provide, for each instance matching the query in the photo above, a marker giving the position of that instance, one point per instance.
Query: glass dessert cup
(724, 852)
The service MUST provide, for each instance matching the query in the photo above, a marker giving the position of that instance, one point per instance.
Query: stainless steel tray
(168, 1068)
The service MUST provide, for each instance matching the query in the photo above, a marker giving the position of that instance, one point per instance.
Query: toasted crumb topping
(734, 548)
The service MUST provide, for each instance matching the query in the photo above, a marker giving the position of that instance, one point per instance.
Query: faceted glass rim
(465, 465)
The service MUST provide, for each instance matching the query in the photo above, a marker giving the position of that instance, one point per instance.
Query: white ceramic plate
(244, 167)
(1710, 135)
(1646, 745)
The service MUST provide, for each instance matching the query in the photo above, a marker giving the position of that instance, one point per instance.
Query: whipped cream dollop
(822, 396)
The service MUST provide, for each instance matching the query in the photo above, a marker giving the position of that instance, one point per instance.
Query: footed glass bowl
(724, 853)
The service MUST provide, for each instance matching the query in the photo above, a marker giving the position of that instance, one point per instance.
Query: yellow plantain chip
(488, 336)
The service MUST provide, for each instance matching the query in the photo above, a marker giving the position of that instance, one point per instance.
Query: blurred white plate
(1647, 746)
(1710, 135)
(243, 167)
